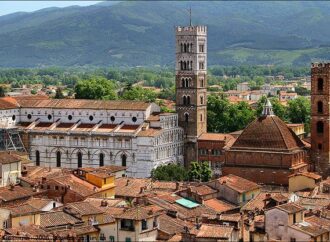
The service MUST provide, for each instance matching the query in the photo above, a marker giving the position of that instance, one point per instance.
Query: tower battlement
(325, 64)
(186, 30)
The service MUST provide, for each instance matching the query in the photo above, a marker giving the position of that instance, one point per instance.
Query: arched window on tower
(58, 159)
(201, 117)
(320, 84)
(182, 82)
(184, 48)
(123, 159)
(188, 100)
(37, 158)
(101, 157)
(186, 117)
(187, 82)
(184, 100)
(185, 65)
(201, 82)
(181, 47)
(320, 107)
(79, 157)
(319, 127)
(202, 99)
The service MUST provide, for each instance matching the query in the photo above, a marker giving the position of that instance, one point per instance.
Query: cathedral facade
(80, 133)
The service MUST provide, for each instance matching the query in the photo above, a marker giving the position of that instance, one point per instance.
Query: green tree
(139, 94)
(2, 91)
(59, 93)
(96, 88)
(199, 171)
(299, 111)
(170, 172)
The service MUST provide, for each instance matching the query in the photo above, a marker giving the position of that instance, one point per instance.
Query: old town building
(267, 151)
(79, 133)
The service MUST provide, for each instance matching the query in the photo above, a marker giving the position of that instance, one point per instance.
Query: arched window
(185, 65)
(37, 158)
(184, 48)
(187, 82)
(101, 159)
(182, 82)
(188, 100)
(58, 159)
(186, 117)
(320, 84)
(79, 157)
(319, 127)
(181, 65)
(123, 160)
(201, 82)
(190, 65)
(201, 117)
(181, 47)
(184, 100)
(202, 99)
(319, 107)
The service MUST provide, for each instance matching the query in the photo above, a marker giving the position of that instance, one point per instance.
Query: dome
(268, 133)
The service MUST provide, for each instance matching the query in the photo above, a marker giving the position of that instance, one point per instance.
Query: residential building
(303, 181)
(10, 169)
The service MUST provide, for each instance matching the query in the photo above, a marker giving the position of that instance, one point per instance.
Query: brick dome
(268, 133)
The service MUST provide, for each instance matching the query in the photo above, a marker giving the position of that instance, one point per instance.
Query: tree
(139, 94)
(199, 171)
(2, 91)
(59, 93)
(170, 172)
(299, 111)
(96, 88)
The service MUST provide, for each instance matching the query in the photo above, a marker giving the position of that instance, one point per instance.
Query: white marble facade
(74, 133)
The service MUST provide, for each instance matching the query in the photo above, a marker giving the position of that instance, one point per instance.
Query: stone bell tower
(191, 84)
(320, 114)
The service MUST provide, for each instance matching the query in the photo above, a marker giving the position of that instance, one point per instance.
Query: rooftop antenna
(189, 10)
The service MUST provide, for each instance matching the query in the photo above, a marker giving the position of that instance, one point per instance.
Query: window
(202, 99)
(127, 224)
(184, 100)
(112, 238)
(79, 156)
(201, 48)
(292, 239)
(243, 197)
(13, 117)
(128, 239)
(70, 117)
(91, 118)
(49, 117)
(188, 100)
(123, 160)
(319, 127)
(101, 159)
(319, 107)
(37, 158)
(294, 218)
(112, 118)
(186, 117)
(319, 146)
(201, 65)
(134, 119)
(201, 82)
(58, 159)
(29, 116)
(320, 84)
(201, 117)
(144, 224)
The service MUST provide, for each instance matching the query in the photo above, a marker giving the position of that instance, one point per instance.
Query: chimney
(104, 203)
(11, 187)
(177, 186)
(127, 182)
(43, 180)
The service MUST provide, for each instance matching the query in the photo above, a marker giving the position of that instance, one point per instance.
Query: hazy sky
(7, 7)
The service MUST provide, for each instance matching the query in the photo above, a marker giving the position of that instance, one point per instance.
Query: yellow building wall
(26, 220)
(297, 183)
(299, 218)
(100, 182)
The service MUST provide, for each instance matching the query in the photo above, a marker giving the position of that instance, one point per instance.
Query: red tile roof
(6, 157)
(290, 207)
(238, 184)
(219, 205)
(214, 231)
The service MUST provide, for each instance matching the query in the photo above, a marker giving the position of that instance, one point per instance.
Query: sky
(7, 7)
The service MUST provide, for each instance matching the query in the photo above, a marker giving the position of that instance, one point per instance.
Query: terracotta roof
(39, 203)
(57, 218)
(268, 133)
(75, 231)
(139, 213)
(214, 231)
(98, 201)
(150, 132)
(318, 221)
(202, 190)
(22, 210)
(310, 229)
(164, 185)
(8, 157)
(238, 184)
(7, 194)
(81, 209)
(308, 174)
(219, 205)
(82, 104)
(110, 169)
(235, 217)
(130, 187)
(175, 238)
(290, 207)
(8, 103)
(214, 136)
(29, 231)
(170, 225)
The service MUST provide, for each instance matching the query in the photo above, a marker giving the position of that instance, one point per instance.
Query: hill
(142, 33)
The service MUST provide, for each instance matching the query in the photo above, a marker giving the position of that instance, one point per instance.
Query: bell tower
(191, 84)
(320, 114)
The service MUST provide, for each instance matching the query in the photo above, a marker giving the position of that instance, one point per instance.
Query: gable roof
(238, 184)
